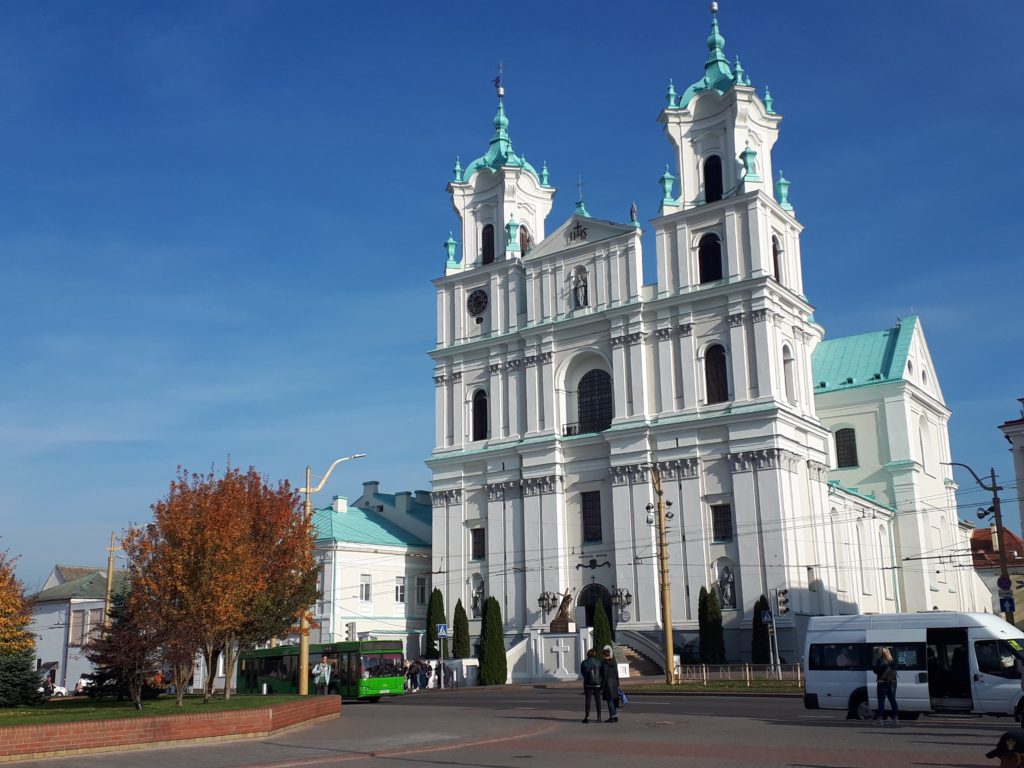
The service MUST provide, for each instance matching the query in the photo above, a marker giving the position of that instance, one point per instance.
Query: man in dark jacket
(590, 671)
(610, 683)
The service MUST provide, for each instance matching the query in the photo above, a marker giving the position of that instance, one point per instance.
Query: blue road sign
(767, 618)
(1006, 605)
(442, 630)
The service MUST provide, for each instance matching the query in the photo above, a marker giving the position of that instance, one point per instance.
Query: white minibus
(947, 662)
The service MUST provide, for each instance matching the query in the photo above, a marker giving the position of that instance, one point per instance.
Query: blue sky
(219, 221)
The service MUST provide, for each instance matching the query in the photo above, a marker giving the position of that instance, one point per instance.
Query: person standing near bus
(322, 676)
(885, 677)
(590, 671)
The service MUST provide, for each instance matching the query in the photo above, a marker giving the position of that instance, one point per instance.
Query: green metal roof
(718, 75)
(499, 154)
(362, 526)
(92, 586)
(868, 358)
(423, 513)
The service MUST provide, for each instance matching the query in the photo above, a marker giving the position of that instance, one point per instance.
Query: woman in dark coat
(610, 683)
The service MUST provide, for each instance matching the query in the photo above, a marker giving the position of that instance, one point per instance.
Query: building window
(525, 241)
(480, 431)
(721, 522)
(77, 634)
(594, 406)
(400, 589)
(487, 246)
(846, 448)
(590, 510)
(709, 259)
(321, 603)
(776, 259)
(421, 590)
(787, 374)
(716, 379)
(478, 544)
(365, 588)
(713, 186)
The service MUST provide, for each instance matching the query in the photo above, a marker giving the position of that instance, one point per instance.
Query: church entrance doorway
(590, 596)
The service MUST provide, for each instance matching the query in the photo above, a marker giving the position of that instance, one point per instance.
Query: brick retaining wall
(23, 742)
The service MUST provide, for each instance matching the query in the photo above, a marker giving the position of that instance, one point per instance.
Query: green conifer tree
(602, 628)
(760, 647)
(460, 633)
(493, 661)
(703, 630)
(716, 634)
(19, 681)
(435, 616)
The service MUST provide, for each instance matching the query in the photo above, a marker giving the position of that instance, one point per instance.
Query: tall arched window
(525, 241)
(487, 245)
(924, 439)
(776, 259)
(594, 401)
(715, 376)
(709, 258)
(846, 448)
(712, 179)
(479, 415)
(885, 558)
(788, 375)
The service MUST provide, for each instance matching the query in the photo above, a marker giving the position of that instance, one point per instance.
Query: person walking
(322, 676)
(885, 680)
(610, 683)
(590, 671)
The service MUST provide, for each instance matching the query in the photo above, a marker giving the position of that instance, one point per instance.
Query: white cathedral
(564, 381)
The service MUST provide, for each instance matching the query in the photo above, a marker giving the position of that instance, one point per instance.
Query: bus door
(908, 651)
(995, 679)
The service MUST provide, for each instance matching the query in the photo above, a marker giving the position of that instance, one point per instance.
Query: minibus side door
(908, 648)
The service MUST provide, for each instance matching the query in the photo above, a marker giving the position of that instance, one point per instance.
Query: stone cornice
(509, 489)
(446, 498)
(536, 486)
(764, 458)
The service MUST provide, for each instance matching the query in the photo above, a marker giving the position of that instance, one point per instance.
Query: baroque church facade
(565, 384)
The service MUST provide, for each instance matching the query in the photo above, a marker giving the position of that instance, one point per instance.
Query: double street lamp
(658, 514)
(309, 490)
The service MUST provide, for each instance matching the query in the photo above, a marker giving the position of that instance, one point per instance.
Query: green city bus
(367, 669)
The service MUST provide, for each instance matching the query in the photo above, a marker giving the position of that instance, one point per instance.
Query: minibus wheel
(860, 709)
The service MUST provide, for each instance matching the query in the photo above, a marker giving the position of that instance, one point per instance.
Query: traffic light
(782, 601)
(350, 632)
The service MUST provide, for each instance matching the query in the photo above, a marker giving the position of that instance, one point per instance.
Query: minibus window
(845, 656)
(999, 657)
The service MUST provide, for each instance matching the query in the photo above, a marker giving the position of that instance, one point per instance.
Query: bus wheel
(860, 709)
(373, 699)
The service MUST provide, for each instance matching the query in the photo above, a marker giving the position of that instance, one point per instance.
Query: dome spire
(717, 72)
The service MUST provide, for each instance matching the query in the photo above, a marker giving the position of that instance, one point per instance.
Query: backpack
(591, 675)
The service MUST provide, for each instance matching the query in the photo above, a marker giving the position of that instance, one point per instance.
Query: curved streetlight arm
(974, 474)
(327, 474)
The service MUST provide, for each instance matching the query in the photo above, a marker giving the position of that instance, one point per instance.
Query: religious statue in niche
(579, 288)
(727, 587)
(563, 620)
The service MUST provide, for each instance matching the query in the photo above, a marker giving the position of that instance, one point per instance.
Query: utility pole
(997, 515)
(110, 583)
(666, 598)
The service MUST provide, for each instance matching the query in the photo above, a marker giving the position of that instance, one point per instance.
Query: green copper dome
(500, 152)
(718, 75)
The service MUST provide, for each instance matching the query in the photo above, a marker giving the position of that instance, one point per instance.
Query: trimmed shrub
(460, 633)
(493, 661)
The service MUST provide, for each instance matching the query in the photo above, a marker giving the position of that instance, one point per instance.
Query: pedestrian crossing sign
(442, 631)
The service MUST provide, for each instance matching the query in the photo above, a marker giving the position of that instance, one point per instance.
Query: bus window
(382, 665)
(999, 657)
(906, 655)
(846, 656)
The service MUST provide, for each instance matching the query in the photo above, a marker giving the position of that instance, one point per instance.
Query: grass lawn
(83, 708)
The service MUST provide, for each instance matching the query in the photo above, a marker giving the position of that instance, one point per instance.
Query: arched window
(787, 373)
(924, 438)
(709, 258)
(595, 401)
(776, 259)
(846, 448)
(487, 245)
(479, 415)
(525, 241)
(712, 179)
(715, 377)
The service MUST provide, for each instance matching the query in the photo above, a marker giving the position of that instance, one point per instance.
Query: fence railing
(749, 673)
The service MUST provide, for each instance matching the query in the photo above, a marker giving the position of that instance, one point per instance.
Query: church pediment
(578, 231)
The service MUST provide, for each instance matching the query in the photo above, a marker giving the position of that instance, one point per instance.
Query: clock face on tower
(477, 302)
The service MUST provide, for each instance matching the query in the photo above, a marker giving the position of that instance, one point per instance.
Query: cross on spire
(498, 83)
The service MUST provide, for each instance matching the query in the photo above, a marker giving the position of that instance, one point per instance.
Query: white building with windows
(375, 574)
(563, 378)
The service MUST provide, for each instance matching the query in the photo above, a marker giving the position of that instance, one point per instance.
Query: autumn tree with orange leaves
(19, 680)
(227, 562)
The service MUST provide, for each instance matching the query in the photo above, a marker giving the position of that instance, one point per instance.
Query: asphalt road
(540, 727)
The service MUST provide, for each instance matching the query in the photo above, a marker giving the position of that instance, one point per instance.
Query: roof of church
(867, 358)
(985, 556)
(91, 586)
(362, 526)
(423, 513)
(499, 153)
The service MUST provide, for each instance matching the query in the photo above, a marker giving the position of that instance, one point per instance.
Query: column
(738, 357)
(687, 384)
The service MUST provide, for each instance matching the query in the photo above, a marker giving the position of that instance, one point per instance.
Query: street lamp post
(547, 602)
(1004, 573)
(309, 490)
(663, 514)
